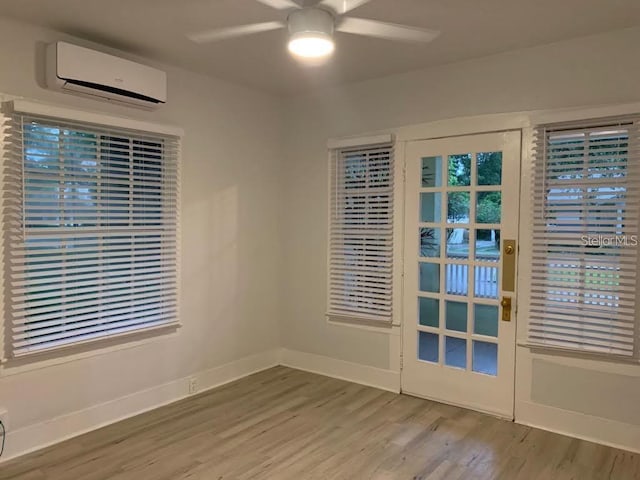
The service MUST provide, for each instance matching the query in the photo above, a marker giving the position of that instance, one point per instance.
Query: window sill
(361, 323)
(579, 355)
(91, 348)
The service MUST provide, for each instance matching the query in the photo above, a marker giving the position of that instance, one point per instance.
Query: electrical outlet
(4, 418)
(193, 385)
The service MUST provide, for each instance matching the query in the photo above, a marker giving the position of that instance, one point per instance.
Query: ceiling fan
(311, 28)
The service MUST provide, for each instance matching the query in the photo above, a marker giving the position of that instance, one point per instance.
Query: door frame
(455, 127)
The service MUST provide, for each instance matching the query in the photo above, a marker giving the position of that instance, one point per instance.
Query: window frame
(606, 117)
(335, 146)
(107, 342)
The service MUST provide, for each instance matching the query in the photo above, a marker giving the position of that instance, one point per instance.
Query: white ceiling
(471, 28)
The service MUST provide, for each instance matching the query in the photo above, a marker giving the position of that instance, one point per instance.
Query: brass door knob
(505, 303)
(508, 249)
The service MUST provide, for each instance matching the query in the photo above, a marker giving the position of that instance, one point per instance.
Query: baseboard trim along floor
(288, 424)
(35, 437)
(40, 435)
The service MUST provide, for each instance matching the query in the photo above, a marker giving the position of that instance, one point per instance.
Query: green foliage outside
(489, 172)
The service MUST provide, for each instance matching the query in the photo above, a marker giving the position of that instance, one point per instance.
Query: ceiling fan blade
(231, 32)
(343, 6)
(390, 31)
(280, 4)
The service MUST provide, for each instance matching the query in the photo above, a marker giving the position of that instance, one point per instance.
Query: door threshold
(467, 406)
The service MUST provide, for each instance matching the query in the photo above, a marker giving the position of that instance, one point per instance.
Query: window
(361, 233)
(585, 243)
(91, 221)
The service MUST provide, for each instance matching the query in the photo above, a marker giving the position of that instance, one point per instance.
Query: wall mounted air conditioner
(79, 70)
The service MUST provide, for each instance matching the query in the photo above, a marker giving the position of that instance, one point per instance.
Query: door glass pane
(459, 170)
(486, 282)
(431, 172)
(428, 348)
(429, 277)
(456, 316)
(430, 207)
(429, 312)
(485, 320)
(458, 243)
(429, 242)
(489, 168)
(458, 207)
(455, 352)
(488, 245)
(489, 207)
(485, 357)
(457, 279)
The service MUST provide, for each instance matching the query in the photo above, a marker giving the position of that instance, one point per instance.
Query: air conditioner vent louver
(114, 90)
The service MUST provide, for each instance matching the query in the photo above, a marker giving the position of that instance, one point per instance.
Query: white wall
(230, 239)
(603, 69)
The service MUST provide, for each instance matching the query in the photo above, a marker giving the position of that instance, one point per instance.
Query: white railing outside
(485, 280)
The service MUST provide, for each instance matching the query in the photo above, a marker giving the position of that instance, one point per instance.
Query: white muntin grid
(448, 266)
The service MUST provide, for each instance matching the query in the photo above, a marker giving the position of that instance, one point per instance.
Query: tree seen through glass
(488, 172)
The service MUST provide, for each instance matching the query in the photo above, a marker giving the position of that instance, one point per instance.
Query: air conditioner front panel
(87, 68)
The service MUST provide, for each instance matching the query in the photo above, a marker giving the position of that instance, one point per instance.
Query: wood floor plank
(286, 424)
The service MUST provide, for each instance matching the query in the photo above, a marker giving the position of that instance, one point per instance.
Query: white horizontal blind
(361, 233)
(586, 212)
(91, 222)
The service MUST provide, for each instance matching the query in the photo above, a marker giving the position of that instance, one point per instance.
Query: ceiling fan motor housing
(311, 22)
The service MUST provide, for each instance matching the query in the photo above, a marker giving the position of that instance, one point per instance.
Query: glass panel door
(458, 211)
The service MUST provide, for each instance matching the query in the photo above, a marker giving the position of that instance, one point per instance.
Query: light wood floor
(288, 424)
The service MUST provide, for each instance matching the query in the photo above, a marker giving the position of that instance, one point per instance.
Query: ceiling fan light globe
(311, 45)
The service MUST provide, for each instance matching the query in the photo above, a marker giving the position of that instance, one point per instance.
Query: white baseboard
(332, 367)
(573, 424)
(40, 435)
